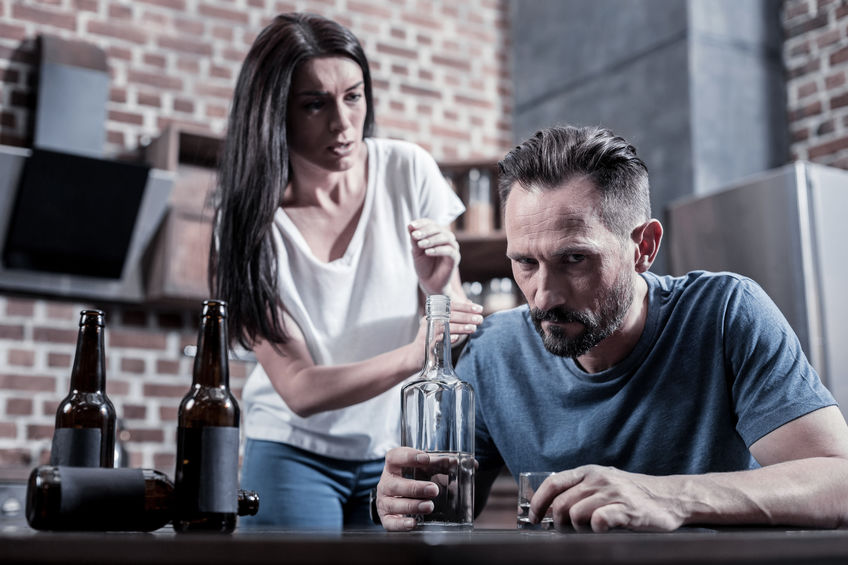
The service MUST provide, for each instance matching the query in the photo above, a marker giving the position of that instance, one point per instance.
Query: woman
(324, 237)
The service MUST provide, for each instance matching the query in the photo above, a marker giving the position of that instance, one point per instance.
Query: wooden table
(489, 547)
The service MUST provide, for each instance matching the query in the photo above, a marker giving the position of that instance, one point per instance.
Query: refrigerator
(787, 229)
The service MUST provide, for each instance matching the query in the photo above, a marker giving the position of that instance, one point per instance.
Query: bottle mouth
(92, 316)
(438, 305)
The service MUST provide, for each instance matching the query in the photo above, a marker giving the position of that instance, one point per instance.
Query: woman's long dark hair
(254, 169)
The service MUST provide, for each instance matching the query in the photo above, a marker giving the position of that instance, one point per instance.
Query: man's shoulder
(699, 281)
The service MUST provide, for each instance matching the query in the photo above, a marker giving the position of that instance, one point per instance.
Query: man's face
(573, 271)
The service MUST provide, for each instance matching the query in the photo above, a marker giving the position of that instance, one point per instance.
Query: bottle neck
(89, 371)
(438, 353)
(211, 365)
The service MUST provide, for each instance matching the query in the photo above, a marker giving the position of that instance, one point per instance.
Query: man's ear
(647, 238)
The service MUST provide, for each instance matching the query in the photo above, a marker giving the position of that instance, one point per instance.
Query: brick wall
(816, 56)
(441, 78)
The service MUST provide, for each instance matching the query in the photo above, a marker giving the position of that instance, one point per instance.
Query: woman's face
(326, 113)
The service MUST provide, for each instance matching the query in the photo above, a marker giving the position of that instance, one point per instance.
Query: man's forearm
(806, 492)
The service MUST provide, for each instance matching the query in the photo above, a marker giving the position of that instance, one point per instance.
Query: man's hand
(436, 255)
(603, 498)
(397, 497)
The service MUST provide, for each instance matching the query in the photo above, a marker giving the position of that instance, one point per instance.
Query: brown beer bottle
(107, 500)
(208, 435)
(115, 500)
(85, 419)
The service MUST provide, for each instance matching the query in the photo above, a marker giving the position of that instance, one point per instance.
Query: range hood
(73, 222)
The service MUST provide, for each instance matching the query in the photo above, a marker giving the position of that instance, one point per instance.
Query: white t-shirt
(358, 306)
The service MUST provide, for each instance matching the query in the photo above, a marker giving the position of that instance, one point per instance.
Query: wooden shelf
(483, 256)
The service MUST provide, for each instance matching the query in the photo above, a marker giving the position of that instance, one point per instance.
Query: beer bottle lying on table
(106, 500)
(84, 435)
(208, 434)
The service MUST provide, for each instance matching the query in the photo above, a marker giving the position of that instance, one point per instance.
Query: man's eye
(574, 258)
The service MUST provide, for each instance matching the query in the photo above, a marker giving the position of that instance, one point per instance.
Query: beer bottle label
(76, 447)
(102, 499)
(209, 468)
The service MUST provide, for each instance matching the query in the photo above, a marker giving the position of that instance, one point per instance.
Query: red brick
(165, 367)
(188, 64)
(20, 307)
(183, 105)
(839, 56)
(22, 357)
(379, 11)
(147, 435)
(223, 92)
(8, 430)
(385, 48)
(19, 406)
(132, 365)
(134, 412)
(441, 131)
(192, 27)
(182, 45)
(123, 31)
(126, 117)
(153, 100)
(165, 460)
(41, 383)
(10, 75)
(151, 390)
(52, 335)
(63, 311)
(120, 11)
(222, 32)
(12, 32)
(214, 111)
(59, 360)
(419, 20)
(418, 91)
(835, 80)
(223, 13)
(39, 431)
(176, 5)
(828, 148)
(87, 5)
(122, 53)
(155, 60)
(219, 71)
(168, 413)
(44, 17)
(15, 457)
(11, 331)
(839, 101)
(118, 95)
(476, 102)
(137, 339)
(116, 387)
(157, 80)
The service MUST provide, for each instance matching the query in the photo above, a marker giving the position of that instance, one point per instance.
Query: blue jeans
(301, 490)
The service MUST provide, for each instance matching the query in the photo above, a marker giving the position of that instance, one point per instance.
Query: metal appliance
(787, 229)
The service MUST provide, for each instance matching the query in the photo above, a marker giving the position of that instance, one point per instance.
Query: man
(660, 401)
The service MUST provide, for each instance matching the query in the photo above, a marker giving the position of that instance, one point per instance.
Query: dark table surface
(489, 547)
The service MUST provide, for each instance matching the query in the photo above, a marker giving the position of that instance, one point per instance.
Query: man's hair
(556, 155)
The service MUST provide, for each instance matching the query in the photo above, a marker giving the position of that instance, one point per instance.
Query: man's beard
(597, 326)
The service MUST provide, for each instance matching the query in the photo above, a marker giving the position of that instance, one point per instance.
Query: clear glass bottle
(206, 476)
(437, 416)
(84, 435)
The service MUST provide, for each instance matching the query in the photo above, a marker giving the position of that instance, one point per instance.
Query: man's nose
(549, 291)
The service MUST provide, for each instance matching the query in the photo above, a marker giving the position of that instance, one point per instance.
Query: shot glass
(528, 482)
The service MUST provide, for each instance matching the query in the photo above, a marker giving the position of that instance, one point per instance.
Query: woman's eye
(354, 97)
(313, 105)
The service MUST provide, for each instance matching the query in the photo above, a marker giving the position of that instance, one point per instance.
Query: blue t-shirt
(716, 368)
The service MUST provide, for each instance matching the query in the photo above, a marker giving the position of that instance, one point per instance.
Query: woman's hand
(436, 255)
